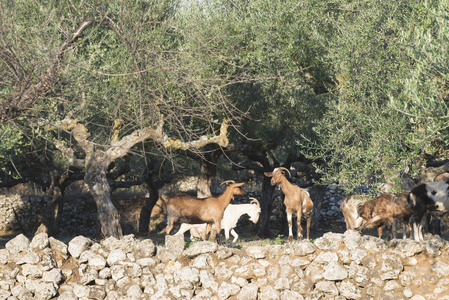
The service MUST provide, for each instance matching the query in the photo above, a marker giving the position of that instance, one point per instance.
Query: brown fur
(296, 199)
(383, 209)
(191, 210)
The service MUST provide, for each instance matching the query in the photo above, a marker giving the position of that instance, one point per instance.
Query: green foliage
(12, 144)
(274, 56)
(279, 240)
(390, 62)
(363, 85)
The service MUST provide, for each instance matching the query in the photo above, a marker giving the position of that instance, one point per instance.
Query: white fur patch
(438, 192)
(413, 199)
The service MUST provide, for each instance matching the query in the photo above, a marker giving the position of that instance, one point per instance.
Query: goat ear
(268, 174)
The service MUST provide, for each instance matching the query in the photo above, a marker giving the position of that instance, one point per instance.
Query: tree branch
(27, 92)
(120, 148)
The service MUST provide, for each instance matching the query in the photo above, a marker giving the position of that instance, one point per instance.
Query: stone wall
(335, 266)
(20, 212)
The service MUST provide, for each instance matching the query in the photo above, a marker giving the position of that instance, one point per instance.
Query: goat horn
(227, 181)
(282, 168)
(254, 200)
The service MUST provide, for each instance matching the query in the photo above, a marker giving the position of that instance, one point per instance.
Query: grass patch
(279, 240)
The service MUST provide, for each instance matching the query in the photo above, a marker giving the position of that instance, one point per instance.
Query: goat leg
(194, 232)
(208, 230)
(169, 225)
(370, 223)
(309, 219)
(290, 229)
(218, 229)
(298, 223)
(379, 231)
(392, 228)
(418, 220)
(226, 231)
(407, 230)
(235, 235)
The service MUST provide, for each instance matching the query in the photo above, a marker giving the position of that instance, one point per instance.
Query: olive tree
(389, 108)
(103, 80)
(278, 50)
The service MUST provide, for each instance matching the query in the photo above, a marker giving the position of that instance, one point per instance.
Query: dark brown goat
(384, 209)
(296, 200)
(191, 210)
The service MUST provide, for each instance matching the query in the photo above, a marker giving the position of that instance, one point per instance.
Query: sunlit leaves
(391, 64)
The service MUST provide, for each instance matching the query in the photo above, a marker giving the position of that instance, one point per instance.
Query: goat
(296, 199)
(230, 219)
(350, 208)
(383, 209)
(430, 196)
(188, 209)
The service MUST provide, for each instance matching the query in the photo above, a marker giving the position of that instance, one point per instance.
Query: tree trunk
(96, 180)
(207, 173)
(145, 213)
(265, 205)
(52, 208)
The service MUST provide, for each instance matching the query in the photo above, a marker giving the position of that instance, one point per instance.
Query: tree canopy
(360, 87)
(390, 107)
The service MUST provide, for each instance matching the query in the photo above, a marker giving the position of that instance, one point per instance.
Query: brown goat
(350, 208)
(383, 209)
(296, 199)
(191, 210)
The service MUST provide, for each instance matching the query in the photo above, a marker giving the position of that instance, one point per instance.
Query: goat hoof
(290, 238)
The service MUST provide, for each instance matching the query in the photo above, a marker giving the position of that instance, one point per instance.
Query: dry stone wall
(334, 266)
(20, 212)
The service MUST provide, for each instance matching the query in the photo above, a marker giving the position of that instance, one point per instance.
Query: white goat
(231, 216)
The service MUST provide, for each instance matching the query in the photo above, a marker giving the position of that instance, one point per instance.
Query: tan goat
(184, 208)
(296, 200)
(350, 208)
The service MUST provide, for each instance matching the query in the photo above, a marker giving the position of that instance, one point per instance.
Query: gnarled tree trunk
(266, 204)
(99, 188)
(52, 208)
(208, 171)
(150, 202)
(58, 185)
